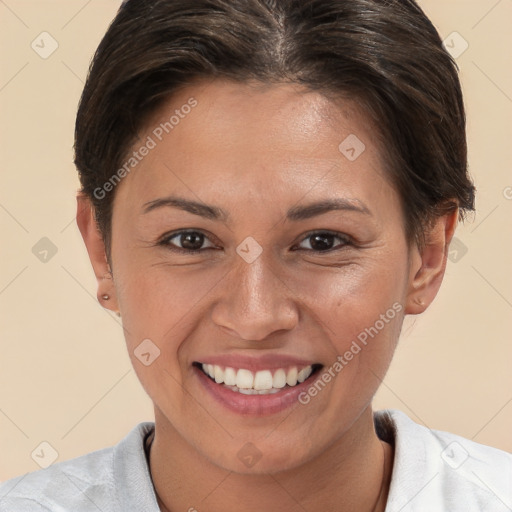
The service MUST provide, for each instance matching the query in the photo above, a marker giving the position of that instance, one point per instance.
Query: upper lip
(263, 362)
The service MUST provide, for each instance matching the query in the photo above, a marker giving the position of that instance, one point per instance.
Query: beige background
(65, 377)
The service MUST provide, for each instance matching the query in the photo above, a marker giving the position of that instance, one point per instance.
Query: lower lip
(257, 405)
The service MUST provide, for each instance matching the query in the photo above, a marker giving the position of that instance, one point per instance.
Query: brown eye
(322, 241)
(186, 241)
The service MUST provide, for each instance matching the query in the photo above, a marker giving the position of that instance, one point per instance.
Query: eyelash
(165, 241)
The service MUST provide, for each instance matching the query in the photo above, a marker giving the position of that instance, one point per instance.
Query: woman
(267, 190)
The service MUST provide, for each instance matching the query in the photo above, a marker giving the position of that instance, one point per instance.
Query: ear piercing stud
(105, 297)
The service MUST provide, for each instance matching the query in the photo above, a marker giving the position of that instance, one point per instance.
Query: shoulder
(436, 470)
(66, 485)
(88, 482)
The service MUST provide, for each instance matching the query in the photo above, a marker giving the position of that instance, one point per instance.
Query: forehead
(226, 139)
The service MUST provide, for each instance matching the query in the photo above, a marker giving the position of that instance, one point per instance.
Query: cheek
(356, 296)
(161, 305)
(155, 297)
(165, 305)
(361, 311)
(361, 314)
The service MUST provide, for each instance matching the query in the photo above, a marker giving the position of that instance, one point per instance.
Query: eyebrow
(325, 206)
(296, 213)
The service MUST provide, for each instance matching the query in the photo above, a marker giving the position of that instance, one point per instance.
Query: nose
(255, 302)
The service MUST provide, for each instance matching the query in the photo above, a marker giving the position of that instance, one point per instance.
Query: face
(249, 245)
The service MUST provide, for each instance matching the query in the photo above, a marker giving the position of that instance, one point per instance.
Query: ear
(427, 265)
(95, 245)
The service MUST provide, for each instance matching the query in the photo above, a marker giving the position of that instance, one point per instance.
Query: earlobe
(96, 249)
(428, 265)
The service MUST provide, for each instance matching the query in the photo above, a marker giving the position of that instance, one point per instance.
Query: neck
(352, 474)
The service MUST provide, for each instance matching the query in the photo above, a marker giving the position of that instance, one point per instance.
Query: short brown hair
(384, 53)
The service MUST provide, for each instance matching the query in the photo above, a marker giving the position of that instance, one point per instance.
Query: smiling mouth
(263, 382)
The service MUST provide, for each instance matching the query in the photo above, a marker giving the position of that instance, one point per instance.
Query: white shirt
(433, 471)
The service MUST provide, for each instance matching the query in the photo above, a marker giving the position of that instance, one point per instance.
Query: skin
(256, 151)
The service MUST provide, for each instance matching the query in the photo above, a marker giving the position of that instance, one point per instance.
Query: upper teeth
(245, 379)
